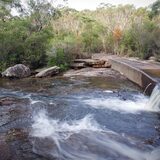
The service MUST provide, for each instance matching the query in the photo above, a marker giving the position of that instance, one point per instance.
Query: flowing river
(77, 119)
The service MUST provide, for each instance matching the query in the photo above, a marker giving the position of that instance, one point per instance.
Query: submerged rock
(49, 72)
(7, 101)
(15, 134)
(4, 149)
(17, 71)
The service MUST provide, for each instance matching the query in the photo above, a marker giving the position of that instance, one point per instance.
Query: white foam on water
(117, 104)
(29, 96)
(154, 101)
(108, 91)
(35, 101)
(46, 127)
(64, 133)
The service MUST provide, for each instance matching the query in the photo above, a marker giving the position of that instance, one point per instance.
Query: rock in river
(4, 149)
(49, 72)
(7, 101)
(17, 71)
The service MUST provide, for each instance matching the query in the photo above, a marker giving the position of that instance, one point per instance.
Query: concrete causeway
(144, 73)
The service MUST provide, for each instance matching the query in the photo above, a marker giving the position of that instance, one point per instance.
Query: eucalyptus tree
(41, 13)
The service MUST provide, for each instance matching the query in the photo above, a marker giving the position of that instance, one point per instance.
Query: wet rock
(158, 128)
(23, 123)
(49, 72)
(7, 101)
(45, 147)
(17, 71)
(149, 141)
(15, 134)
(4, 149)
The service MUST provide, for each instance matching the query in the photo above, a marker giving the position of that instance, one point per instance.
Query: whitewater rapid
(86, 139)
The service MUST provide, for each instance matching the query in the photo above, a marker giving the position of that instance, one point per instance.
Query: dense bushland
(43, 35)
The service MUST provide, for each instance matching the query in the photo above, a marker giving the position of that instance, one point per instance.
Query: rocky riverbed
(76, 117)
(86, 113)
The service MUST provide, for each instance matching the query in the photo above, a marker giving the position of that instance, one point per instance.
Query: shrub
(20, 44)
(60, 59)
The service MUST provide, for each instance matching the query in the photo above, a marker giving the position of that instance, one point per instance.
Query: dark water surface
(76, 119)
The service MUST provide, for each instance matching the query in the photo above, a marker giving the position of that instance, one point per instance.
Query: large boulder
(49, 72)
(17, 71)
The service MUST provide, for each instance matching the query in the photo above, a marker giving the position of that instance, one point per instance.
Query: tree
(41, 13)
(22, 40)
(155, 9)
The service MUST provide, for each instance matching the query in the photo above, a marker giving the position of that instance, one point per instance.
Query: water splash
(46, 127)
(120, 105)
(154, 102)
(85, 139)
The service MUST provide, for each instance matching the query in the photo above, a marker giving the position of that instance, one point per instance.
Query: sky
(92, 4)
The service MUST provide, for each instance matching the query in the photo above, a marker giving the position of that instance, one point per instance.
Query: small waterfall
(154, 102)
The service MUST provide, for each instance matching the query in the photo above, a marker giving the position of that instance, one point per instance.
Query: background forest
(43, 35)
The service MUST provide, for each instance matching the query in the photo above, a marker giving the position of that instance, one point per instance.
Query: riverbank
(146, 74)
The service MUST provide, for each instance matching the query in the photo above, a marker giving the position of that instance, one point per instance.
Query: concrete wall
(136, 75)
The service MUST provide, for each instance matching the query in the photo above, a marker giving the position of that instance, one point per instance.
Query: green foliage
(36, 46)
(128, 44)
(67, 41)
(21, 41)
(90, 37)
(60, 59)
(44, 35)
(155, 9)
(141, 40)
(18, 44)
